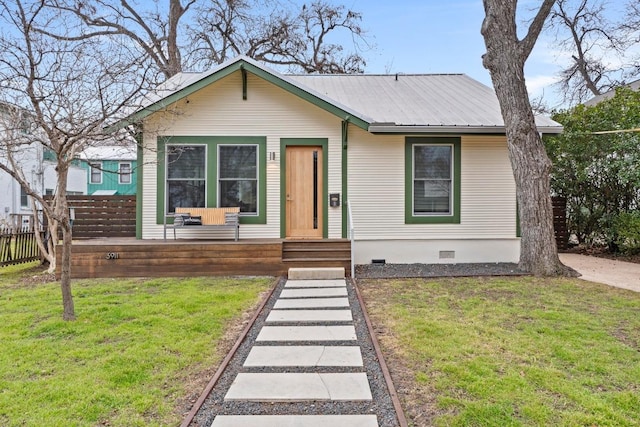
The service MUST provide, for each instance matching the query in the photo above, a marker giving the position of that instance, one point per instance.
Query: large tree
(193, 35)
(67, 92)
(505, 59)
(601, 40)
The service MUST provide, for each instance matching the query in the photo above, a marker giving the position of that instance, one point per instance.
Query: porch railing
(352, 237)
(17, 246)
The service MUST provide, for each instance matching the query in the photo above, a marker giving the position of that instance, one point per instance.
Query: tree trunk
(505, 60)
(67, 237)
(65, 276)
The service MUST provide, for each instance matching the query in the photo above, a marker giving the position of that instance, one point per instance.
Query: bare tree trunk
(67, 238)
(505, 60)
(65, 276)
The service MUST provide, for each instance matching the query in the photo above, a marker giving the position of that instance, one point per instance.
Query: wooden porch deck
(128, 257)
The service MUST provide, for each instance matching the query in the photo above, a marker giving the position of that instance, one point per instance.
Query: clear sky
(442, 36)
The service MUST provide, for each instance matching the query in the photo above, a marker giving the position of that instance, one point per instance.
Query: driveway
(620, 274)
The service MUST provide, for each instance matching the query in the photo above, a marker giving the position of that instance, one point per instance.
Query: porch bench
(211, 218)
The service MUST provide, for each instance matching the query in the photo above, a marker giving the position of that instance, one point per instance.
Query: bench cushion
(210, 216)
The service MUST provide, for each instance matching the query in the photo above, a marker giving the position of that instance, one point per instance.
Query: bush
(627, 230)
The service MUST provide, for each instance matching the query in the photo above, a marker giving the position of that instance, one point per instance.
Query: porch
(128, 257)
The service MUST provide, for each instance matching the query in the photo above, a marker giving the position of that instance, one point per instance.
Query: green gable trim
(212, 143)
(244, 67)
(322, 142)
(409, 218)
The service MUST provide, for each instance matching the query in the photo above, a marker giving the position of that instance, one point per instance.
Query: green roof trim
(243, 66)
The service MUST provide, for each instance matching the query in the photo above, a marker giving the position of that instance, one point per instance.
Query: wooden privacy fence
(102, 216)
(560, 222)
(18, 246)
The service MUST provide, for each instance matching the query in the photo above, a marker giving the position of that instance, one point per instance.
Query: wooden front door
(304, 189)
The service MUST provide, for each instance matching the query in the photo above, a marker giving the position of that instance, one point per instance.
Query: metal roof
(634, 85)
(402, 103)
(448, 102)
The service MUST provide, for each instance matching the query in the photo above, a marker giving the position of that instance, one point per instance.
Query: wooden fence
(18, 246)
(560, 222)
(103, 216)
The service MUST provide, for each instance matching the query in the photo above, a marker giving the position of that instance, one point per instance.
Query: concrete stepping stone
(311, 303)
(315, 283)
(307, 333)
(295, 421)
(309, 316)
(305, 356)
(313, 292)
(316, 273)
(294, 387)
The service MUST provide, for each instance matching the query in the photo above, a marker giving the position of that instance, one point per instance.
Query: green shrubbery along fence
(17, 246)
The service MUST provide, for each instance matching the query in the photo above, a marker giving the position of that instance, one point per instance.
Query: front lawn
(138, 352)
(510, 351)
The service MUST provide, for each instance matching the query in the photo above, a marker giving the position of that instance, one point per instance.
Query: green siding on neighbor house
(111, 178)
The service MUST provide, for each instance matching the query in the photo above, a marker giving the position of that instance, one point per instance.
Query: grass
(129, 358)
(510, 351)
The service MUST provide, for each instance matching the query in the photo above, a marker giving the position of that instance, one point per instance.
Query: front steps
(317, 254)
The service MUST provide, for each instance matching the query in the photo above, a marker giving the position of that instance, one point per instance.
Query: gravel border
(381, 404)
(389, 271)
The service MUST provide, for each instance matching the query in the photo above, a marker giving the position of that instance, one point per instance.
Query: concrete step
(327, 283)
(340, 302)
(307, 333)
(299, 387)
(303, 356)
(295, 421)
(313, 292)
(320, 273)
(338, 315)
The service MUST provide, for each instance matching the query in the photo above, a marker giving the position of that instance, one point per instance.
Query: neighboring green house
(110, 170)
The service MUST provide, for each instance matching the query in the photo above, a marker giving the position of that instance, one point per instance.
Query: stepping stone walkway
(306, 359)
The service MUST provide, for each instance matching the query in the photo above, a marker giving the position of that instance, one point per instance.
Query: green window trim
(212, 143)
(409, 216)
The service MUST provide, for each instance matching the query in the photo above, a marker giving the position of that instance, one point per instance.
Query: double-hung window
(433, 180)
(213, 171)
(95, 173)
(124, 173)
(186, 176)
(238, 177)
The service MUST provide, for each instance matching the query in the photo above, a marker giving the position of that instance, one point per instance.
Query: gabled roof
(420, 103)
(635, 85)
(109, 152)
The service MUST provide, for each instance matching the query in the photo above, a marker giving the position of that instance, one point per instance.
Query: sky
(443, 36)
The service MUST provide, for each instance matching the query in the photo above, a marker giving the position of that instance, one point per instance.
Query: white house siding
(219, 110)
(487, 229)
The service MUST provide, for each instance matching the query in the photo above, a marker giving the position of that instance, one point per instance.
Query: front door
(304, 189)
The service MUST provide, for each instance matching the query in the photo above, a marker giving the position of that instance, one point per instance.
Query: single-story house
(421, 160)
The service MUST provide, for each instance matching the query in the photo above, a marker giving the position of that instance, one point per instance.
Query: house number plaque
(113, 255)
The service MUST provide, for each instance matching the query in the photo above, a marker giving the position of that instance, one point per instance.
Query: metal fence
(17, 246)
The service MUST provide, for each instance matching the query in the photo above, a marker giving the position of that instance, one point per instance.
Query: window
(95, 173)
(238, 177)
(124, 173)
(186, 176)
(213, 171)
(433, 180)
(24, 198)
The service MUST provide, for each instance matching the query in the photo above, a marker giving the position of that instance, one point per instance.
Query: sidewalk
(620, 274)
